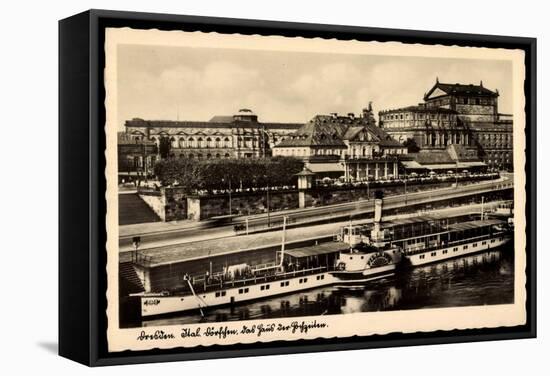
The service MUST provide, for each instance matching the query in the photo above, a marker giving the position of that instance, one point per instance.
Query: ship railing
(415, 250)
(224, 284)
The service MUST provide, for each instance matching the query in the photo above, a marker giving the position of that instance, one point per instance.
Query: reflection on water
(485, 278)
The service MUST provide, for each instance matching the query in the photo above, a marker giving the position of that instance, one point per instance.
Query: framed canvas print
(239, 187)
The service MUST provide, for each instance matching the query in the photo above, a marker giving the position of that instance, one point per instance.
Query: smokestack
(378, 204)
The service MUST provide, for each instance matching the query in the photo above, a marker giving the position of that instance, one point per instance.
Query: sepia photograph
(264, 188)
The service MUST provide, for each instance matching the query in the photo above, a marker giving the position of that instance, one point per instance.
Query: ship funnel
(378, 204)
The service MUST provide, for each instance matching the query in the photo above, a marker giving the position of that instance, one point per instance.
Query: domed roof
(245, 112)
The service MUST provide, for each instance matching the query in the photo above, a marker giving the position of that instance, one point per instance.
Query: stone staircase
(129, 282)
(132, 209)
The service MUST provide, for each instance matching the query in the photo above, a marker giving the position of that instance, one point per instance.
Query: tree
(208, 174)
(164, 147)
(411, 145)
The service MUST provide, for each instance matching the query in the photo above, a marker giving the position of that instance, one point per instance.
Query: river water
(481, 279)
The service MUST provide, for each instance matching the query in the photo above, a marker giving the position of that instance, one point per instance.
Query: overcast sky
(164, 83)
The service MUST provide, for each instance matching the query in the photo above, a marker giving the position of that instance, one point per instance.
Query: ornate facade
(237, 136)
(455, 114)
(349, 146)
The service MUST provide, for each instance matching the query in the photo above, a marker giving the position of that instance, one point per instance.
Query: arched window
(218, 156)
(199, 156)
(208, 156)
(191, 142)
(199, 142)
(226, 155)
(208, 142)
(173, 142)
(227, 142)
(191, 156)
(181, 143)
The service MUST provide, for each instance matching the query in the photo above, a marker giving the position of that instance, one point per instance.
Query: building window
(465, 101)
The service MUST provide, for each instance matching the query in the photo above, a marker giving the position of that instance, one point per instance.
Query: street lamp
(456, 174)
(135, 241)
(268, 203)
(230, 204)
(405, 189)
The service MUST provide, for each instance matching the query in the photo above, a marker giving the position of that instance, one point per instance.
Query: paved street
(188, 233)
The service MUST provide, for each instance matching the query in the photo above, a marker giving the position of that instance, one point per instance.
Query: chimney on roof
(481, 83)
(436, 80)
(334, 115)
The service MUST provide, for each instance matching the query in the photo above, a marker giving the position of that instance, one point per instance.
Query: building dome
(245, 114)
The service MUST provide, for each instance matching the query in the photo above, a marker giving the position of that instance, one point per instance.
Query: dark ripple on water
(482, 279)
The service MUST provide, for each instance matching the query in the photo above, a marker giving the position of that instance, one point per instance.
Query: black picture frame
(82, 207)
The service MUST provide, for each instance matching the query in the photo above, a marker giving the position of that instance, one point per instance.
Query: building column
(376, 171)
(395, 171)
(367, 171)
(357, 171)
(385, 170)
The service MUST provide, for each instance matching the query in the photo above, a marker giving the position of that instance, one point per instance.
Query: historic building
(135, 155)
(458, 114)
(349, 146)
(237, 136)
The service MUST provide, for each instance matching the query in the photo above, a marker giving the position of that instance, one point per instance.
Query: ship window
(433, 254)
(421, 256)
(445, 251)
(323, 276)
(465, 247)
(301, 280)
(351, 257)
(318, 277)
(267, 287)
(492, 240)
(223, 293)
(455, 249)
(241, 291)
(246, 290)
(483, 243)
(362, 257)
(218, 294)
(305, 280)
(474, 245)
(262, 288)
